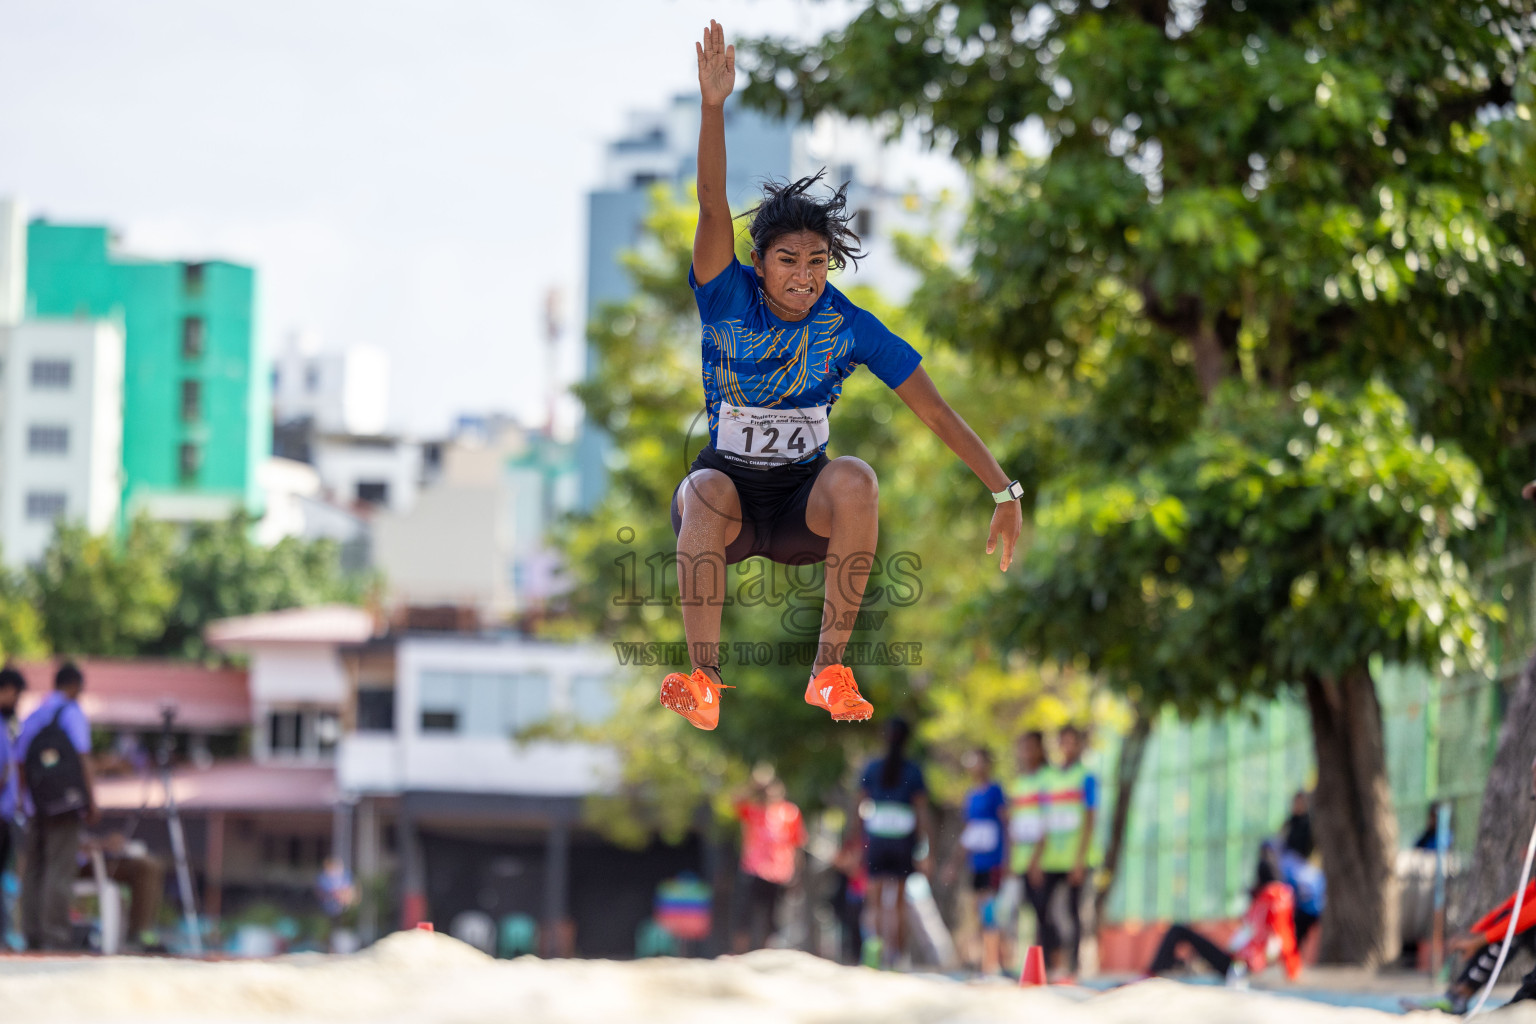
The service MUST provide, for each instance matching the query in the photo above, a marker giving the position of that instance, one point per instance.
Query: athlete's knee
(853, 479)
(708, 491)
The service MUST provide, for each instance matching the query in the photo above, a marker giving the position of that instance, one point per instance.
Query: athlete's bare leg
(711, 514)
(844, 507)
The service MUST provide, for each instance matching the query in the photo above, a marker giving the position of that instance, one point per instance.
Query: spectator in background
(1269, 915)
(12, 683)
(1309, 888)
(1481, 947)
(1071, 808)
(1428, 838)
(335, 891)
(893, 812)
(1026, 811)
(848, 896)
(57, 795)
(982, 844)
(1296, 833)
(129, 861)
(772, 833)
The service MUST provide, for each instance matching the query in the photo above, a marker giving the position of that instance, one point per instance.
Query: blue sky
(405, 174)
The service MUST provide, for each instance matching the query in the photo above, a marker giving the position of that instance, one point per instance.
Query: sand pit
(423, 978)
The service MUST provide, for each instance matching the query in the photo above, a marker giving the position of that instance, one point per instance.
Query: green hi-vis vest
(1066, 814)
(1026, 817)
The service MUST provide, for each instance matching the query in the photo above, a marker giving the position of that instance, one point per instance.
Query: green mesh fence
(1212, 790)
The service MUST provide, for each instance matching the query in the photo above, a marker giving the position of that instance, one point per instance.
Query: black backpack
(55, 774)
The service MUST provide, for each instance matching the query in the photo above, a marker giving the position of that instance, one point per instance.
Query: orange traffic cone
(424, 926)
(1034, 968)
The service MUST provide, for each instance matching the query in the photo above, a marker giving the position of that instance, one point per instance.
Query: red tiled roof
(226, 786)
(130, 694)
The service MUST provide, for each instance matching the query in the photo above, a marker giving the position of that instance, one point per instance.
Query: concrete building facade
(196, 415)
(61, 431)
(337, 391)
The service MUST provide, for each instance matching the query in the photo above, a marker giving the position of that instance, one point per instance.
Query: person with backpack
(57, 795)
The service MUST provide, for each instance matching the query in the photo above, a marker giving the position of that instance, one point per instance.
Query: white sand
(424, 978)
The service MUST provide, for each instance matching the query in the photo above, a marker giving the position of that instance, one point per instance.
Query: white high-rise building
(61, 431)
(340, 391)
(13, 261)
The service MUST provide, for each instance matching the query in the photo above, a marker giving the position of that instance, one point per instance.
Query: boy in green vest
(1071, 806)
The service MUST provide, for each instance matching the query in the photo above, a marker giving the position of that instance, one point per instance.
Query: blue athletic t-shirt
(754, 359)
(982, 837)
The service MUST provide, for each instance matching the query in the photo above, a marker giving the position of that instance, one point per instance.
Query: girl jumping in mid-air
(778, 342)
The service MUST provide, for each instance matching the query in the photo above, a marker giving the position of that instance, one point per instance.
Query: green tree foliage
(153, 590)
(1279, 257)
(98, 595)
(646, 394)
(220, 571)
(21, 627)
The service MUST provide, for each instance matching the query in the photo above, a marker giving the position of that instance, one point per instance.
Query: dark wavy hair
(788, 207)
(896, 732)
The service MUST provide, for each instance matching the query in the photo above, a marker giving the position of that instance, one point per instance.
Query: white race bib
(1067, 818)
(1026, 828)
(887, 819)
(766, 438)
(980, 835)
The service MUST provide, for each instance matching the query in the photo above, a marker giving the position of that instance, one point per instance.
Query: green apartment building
(196, 414)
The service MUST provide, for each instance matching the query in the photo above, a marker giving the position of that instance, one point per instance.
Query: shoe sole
(845, 716)
(675, 697)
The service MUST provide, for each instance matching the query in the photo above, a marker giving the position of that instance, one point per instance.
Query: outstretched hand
(717, 65)
(1007, 524)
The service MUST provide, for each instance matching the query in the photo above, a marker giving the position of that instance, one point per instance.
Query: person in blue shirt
(778, 342)
(53, 840)
(12, 683)
(983, 846)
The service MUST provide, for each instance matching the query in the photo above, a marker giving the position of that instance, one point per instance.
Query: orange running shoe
(834, 690)
(695, 697)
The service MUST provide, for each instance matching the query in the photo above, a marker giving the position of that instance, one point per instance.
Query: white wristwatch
(1012, 492)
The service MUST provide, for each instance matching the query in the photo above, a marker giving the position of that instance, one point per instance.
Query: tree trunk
(1127, 772)
(1210, 360)
(1504, 827)
(1353, 821)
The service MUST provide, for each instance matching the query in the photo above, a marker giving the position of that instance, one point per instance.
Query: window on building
(372, 492)
(192, 337)
(594, 698)
(529, 701)
(45, 504)
(439, 721)
(327, 733)
(443, 697)
(483, 703)
(191, 401)
(285, 733)
(863, 222)
(375, 709)
(192, 276)
(51, 374)
(48, 440)
(311, 378)
(190, 460)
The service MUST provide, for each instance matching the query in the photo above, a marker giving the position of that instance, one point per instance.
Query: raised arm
(714, 243)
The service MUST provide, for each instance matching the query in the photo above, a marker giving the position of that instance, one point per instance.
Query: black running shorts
(773, 503)
(889, 858)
